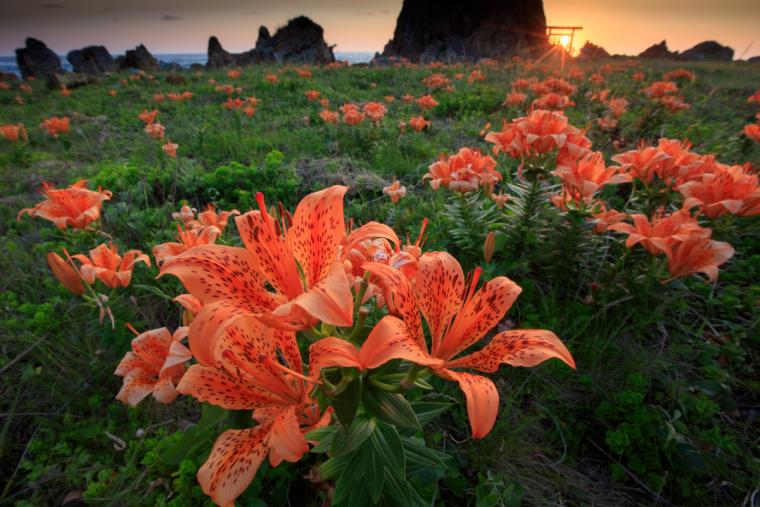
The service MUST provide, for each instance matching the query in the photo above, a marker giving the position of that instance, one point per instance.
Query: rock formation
(454, 30)
(138, 58)
(708, 50)
(591, 51)
(37, 60)
(94, 60)
(657, 51)
(754, 59)
(300, 41)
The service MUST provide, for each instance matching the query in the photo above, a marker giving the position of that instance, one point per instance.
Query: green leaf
(375, 474)
(419, 456)
(426, 411)
(348, 440)
(347, 402)
(324, 436)
(350, 479)
(333, 467)
(196, 437)
(387, 444)
(392, 408)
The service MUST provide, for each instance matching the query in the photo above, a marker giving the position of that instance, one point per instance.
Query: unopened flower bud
(488, 246)
(65, 274)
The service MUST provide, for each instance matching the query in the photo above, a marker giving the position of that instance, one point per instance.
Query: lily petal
(482, 399)
(440, 292)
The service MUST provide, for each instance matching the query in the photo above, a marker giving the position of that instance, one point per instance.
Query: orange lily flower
(13, 132)
(395, 191)
(426, 102)
(662, 231)
(66, 274)
(375, 111)
(186, 215)
(464, 171)
(642, 163)
(419, 123)
(148, 117)
(587, 176)
(105, 264)
(56, 125)
(329, 116)
(514, 99)
(752, 131)
(154, 366)
(697, 254)
(298, 258)
(312, 95)
(553, 102)
(605, 218)
(210, 217)
(251, 376)
(155, 130)
(352, 116)
(75, 206)
(188, 238)
(271, 78)
(457, 319)
(170, 148)
(720, 192)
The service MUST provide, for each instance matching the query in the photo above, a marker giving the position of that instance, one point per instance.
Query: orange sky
(183, 26)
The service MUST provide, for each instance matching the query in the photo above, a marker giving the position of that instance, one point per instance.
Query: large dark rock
(754, 59)
(300, 41)
(138, 58)
(95, 60)
(454, 30)
(708, 50)
(591, 51)
(658, 51)
(37, 60)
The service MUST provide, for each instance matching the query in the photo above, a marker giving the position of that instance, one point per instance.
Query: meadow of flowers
(494, 284)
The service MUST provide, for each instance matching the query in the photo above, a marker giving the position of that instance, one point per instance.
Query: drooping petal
(164, 391)
(136, 387)
(400, 298)
(482, 399)
(329, 301)
(440, 292)
(219, 388)
(332, 351)
(286, 442)
(517, 347)
(209, 324)
(318, 230)
(390, 339)
(232, 465)
(479, 315)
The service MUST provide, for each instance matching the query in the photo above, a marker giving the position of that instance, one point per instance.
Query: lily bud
(65, 274)
(488, 246)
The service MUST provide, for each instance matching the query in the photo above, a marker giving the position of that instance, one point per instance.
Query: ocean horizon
(185, 60)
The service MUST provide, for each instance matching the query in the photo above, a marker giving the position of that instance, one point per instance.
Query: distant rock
(94, 60)
(708, 50)
(138, 58)
(37, 60)
(591, 51)
(451, 30)
(754, 59)
(169, 66)
(658, 51)
(300, 41)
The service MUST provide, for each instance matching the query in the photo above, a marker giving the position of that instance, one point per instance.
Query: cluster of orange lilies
(157, 131)
(298, 276)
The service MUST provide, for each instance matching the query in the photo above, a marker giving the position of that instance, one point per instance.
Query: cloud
(169, 17)
(52, 6)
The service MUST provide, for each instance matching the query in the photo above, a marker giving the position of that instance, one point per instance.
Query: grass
(662, 409)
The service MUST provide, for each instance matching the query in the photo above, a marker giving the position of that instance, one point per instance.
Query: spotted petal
(482, 399)
(517, 347)
(440, 291)
(220, 388)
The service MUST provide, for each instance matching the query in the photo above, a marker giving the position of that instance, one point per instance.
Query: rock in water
(138, 58)
(455, 30)
(95, 60)
(591, 51)
(300, 41)
(708, 50)
(658, 51)
(37, 60)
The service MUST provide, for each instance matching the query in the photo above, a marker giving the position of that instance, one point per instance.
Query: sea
(8, 63)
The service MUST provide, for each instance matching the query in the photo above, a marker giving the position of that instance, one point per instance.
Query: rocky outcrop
(754, 59)
(658, 51)
(37, 60)
(591, 51)
(95, 60)
(708, 50)
(300, 41)
(138, 58)
(447, 30)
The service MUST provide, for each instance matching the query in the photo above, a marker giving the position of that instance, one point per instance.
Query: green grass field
(663, 408)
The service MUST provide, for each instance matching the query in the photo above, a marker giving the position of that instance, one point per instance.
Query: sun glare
(564, 41)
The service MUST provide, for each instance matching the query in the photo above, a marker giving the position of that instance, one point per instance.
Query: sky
(183, 26)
